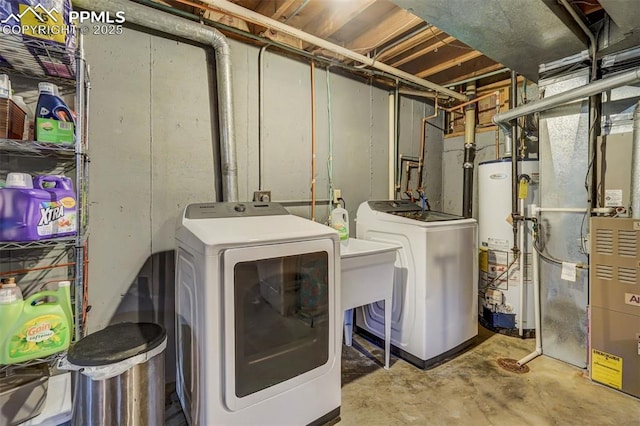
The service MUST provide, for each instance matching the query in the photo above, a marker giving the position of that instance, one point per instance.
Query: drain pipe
(392, 147)
(313, 141)
(469, 152)
(261, 53)
(536, 304)
(510, 150)
(396, 142)
(170, 24)
(635, 165)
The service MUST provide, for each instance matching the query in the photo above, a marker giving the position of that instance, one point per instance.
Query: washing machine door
(279, 303)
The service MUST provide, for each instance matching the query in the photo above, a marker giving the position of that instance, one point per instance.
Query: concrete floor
(470, 389)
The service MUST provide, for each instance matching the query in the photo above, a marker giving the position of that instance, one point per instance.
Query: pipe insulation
(257, 18)
(183, 28)
(635, 165)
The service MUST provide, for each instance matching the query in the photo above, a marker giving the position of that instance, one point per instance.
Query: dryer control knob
(240, 208)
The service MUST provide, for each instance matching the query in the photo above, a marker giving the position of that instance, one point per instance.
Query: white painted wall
(452, 172)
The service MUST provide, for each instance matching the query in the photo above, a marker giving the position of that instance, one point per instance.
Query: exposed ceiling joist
(394, 25)
(276, 9)
(256, 18)
(423, 51)
(450, 63)
(337, 18)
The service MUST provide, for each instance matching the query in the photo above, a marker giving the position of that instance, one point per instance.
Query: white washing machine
(435, 305)
(258, 316)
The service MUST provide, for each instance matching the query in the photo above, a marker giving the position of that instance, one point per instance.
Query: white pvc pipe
(536, 302)
(561, 209)
(392, 142)
(536, 209)
(521, 265)
(257, 18)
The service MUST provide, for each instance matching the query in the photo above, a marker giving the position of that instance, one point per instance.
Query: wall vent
(627, 243)
(627, 275)
(604, 272)
(604, 241)
(615, 262)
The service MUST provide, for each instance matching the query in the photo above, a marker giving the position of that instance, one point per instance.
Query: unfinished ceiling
(442, 41)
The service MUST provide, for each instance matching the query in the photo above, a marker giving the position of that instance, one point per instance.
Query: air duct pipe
(170, 24)
(503, 119)
(635, 165)
(469, 152)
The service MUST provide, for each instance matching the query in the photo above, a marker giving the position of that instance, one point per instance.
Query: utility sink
(367, 277)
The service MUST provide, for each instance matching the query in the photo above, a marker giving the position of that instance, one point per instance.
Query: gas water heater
(499, 303)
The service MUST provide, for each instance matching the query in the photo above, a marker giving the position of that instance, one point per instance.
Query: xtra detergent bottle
(32, 210)
(58, 216)
(37, 327)
(54, 120)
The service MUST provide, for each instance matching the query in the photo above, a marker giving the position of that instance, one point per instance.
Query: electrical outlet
(336, 194)
(262, 196)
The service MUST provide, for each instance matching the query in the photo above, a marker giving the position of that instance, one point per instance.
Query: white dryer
(258, 316)
(434, 313)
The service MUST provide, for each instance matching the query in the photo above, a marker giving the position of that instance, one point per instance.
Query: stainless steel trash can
(120, 376)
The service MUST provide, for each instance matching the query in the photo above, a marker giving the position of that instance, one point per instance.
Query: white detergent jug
(340, 222)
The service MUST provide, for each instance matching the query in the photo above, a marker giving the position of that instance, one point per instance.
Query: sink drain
(512, 365)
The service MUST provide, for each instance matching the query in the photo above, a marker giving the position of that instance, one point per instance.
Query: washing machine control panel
(236, 209)
(392, 206)
(410, 210)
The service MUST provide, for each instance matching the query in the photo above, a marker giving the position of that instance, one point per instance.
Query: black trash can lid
(116, 343)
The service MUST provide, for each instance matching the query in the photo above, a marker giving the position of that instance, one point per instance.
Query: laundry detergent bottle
(50, 107)
(58, 216)
(340, 222)
(37, 327)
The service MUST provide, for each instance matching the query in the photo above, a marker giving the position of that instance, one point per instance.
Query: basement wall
(151, 131)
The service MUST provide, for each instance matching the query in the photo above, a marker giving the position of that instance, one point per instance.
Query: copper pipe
(313, 141)
(423, 140)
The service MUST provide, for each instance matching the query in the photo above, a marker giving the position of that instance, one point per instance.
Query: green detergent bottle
(37, 327)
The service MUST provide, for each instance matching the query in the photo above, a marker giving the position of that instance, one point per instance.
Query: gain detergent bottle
(37, 327)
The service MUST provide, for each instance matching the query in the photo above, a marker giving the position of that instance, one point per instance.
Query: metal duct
(635, 165)
(503, 119)
(624, 13)
(166, 23)
(519, 34)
